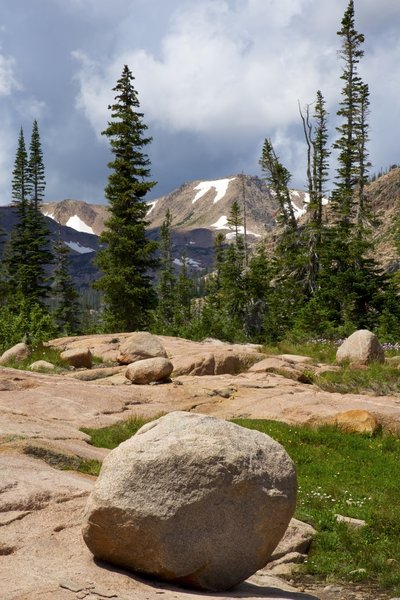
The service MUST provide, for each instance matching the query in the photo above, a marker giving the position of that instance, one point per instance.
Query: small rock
(350, 522)
(41, 365)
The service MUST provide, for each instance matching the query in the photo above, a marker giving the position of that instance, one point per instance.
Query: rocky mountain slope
(200, 210)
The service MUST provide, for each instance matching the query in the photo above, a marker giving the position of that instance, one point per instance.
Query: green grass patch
(110, 437)
(378, 379)
(40, 352)
(320, 352)
(355, 476)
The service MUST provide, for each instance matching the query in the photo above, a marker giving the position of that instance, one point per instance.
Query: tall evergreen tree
(67, 310)
(128, 255)
(16, 254)
(348, 142)
(183, 299)
(351, 283)
(28, 255)
(39, 235)
(36, 168)
(166, 280)
(278, 177)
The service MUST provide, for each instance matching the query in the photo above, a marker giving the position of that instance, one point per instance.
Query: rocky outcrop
(218, 362)
(192, 500)
(139, 346)
(361, 348)
(17, 353)
(149, 370)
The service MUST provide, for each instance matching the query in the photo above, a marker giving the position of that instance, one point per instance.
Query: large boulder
(17, 353)
(139, 346)
(149, 370)
(192, 499)
(361, 348)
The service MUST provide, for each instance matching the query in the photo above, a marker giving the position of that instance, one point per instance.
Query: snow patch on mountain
(220, 186)
(76, 223)
(189, 261)
(151, 206)
(78, 248)
(222, 223)
(49, 214)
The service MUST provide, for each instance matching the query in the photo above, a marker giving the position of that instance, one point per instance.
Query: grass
(320, 352)
(40, 352)
(378, 379)
(338, 473)
(110, 437)
(355, 476)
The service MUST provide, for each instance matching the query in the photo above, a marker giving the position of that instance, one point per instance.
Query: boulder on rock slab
(139, 346)
(17, 353)
(149, 370)
(361, 348)
(193, 500)
(78, 358)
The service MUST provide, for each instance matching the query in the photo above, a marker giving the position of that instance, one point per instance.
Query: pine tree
(348, 142)
(278, 177)
(39, 235)
(235, 219)
(28, 255)
(353, 280)
(67, 309)
(16, 253)
(167, 280)
(36, 168)
(258, 287)
(128, 255)
(183, 299)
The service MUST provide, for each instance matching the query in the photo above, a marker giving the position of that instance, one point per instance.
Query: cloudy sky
(214, 78)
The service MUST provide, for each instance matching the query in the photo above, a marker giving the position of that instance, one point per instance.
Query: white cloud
(233, 71)
(221, 69)
(8, 81)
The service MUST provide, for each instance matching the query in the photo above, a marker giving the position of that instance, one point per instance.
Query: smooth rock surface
(193, 500)
(361, 348)
(139, 346)
(146, 371)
